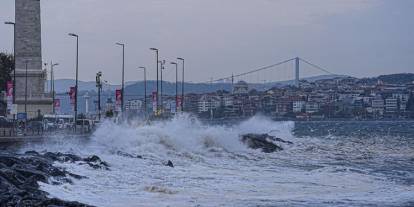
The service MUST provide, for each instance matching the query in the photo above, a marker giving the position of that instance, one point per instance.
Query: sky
(361, 38)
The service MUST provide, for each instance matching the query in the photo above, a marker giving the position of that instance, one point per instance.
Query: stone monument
(28, 52)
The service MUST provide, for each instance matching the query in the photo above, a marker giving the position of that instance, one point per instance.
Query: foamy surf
(214, 168)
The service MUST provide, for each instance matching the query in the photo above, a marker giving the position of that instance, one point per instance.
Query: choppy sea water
(213, 168)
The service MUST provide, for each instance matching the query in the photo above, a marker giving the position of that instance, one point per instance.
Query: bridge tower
(29, 60)
(297, 71)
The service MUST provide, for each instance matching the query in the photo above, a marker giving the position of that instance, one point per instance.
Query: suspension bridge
(292, 70)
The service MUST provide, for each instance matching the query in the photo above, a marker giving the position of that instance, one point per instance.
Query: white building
(298, 106)
(241, 87)
(391, 105)
(207, 102)
(312, 107)
(133, 105)
(378, 105)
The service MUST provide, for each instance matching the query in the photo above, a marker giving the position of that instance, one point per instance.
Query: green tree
(6, 67)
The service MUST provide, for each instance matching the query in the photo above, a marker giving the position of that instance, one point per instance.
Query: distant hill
(137, 88)
(399, 78)
(63, 85)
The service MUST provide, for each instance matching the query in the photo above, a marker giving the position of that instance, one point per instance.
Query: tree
(6, 67)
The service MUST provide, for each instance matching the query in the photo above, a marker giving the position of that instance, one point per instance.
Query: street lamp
(156, 52)
(25, 93)
(52, 77)
(99, 86)
(14, 59)
(182, 85)
(145, 89)
(77, 73)
(123, 75)
(162, 63)
(176, 85)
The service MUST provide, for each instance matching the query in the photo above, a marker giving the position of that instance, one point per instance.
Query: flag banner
(72, 95)
(9, 95)
(118, 99)
(178, 103)
(56, 104)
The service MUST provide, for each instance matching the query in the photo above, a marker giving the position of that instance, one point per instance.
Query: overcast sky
(220, 37)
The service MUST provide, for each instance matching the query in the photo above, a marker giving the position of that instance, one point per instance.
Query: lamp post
(77, 73)
(123, 75)
(157, 57)
(182, 85)
(99, 86)
(162, 63)
(52, 82)
(25, 92)
(176, 85)
(14, 59)
(145, 89)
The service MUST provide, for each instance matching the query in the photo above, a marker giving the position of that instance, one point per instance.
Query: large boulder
(20, 174)
(265, 142)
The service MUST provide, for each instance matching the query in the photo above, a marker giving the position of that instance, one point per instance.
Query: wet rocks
(169, 163)
(20, 174)
(265, 142)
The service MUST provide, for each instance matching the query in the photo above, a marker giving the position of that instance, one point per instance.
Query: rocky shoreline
(20, 175)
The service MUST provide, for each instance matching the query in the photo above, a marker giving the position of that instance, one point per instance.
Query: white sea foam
(213, 168)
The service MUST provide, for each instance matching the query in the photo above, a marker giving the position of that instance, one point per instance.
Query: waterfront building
(312, 107)
(241, 87)
(298, 106)
(134, 105)
(391, 105)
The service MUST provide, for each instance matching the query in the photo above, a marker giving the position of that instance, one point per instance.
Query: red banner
(10, 89)
(154, 101)
(9, 94)
(118, 97)
(57, 104)
(72, 95)
(178, 103)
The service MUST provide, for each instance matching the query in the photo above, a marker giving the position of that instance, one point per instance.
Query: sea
(338, 163)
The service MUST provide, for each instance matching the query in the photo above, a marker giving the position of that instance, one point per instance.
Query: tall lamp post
(176, 85)
(52, 76)
(99, 86)
(14, 59)
(162, 63)
(182, 85)
(25, 92)
(145, 89)
(156, 53)
(123, 75)
(77, 73)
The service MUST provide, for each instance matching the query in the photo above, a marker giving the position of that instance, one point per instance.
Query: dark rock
(96, 163)
(20, 174)
(264, 142)
(169, 164)
(124, 154)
